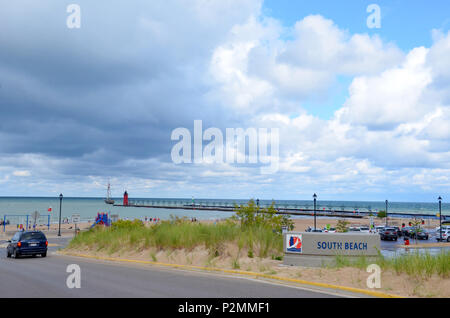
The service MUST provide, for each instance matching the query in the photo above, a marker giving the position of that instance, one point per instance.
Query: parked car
(311, 229)
(420, 234)
(379, 228)
(406, 231)
(27, 243)
(445, 236)
(331, 230)
(399, 231)
(354, 229)
(389, 233)
(364, 229)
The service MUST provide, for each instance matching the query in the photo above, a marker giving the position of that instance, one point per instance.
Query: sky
(362, 112)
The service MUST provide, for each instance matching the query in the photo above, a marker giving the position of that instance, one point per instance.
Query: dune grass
(261, 241)
(419, 265)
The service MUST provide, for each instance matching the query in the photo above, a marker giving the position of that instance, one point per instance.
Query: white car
(331, 230)
(365, 229)
(445, 235)
(378, 228)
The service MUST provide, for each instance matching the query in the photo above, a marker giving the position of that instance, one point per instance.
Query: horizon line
(190, 198)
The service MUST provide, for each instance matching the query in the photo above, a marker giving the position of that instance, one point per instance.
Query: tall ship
(108, 199)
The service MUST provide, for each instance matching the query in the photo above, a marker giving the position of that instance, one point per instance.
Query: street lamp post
(60, 204)
(315, 200)
(440, 219)
(387, 212)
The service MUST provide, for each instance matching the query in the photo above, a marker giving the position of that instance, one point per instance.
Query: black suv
(388, 233)
(27, 243)
(399, 232)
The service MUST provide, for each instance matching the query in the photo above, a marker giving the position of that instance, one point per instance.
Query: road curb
(245, 273)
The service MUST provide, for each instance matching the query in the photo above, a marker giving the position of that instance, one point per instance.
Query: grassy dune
(255, 240)
(260, 241)
(420, 265)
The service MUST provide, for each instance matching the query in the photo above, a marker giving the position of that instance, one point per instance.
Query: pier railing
(282, 208)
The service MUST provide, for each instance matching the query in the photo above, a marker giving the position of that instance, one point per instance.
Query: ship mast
(108, 192)
(108, 199)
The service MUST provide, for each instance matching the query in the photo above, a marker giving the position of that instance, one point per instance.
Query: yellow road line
(230, 271)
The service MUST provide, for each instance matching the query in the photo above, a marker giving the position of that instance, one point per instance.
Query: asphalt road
(46, 277)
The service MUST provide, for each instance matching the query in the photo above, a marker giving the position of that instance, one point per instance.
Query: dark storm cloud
(110, 91)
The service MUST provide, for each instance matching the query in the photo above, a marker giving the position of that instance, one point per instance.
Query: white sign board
(76, 218)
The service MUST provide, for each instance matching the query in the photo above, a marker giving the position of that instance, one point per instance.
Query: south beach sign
(331, 244)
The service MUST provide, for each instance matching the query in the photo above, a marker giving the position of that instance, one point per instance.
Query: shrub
(381, 214)
(341, 226)
(251, 215)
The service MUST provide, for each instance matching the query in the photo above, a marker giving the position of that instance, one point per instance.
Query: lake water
(89, 207)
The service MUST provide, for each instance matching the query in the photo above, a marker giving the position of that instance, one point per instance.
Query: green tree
(250, 215)
(381, 214)
(416, 228)
(341, 226)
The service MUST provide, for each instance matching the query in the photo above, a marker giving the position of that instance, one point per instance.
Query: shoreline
(300, 223)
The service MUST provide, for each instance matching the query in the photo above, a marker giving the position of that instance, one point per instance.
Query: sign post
(35, 215)
(315, 249)
(76, 218)
(114, 218)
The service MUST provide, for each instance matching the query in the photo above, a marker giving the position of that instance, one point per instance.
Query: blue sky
(407, 23)
(362, 114)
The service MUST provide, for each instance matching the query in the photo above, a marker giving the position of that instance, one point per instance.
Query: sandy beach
(300, 224)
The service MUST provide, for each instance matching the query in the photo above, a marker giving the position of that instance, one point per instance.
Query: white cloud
(21, 173)
(395, 96)
(320, 44)
(256, 70)
(238, 68)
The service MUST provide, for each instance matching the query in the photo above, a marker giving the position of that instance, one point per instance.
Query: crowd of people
(151, 220)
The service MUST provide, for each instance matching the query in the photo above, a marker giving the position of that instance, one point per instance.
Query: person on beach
(406, 241)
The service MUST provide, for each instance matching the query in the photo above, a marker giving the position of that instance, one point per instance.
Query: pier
(321, 211)
(231, 209)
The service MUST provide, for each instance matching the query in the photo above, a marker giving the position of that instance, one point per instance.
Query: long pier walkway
(286, 210)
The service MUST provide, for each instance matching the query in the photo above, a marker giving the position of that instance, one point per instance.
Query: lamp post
(60, 204)
(387, 212)
(440, 219)
(315, 200)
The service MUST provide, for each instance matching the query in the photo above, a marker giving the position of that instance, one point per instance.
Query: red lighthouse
(125, 198)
